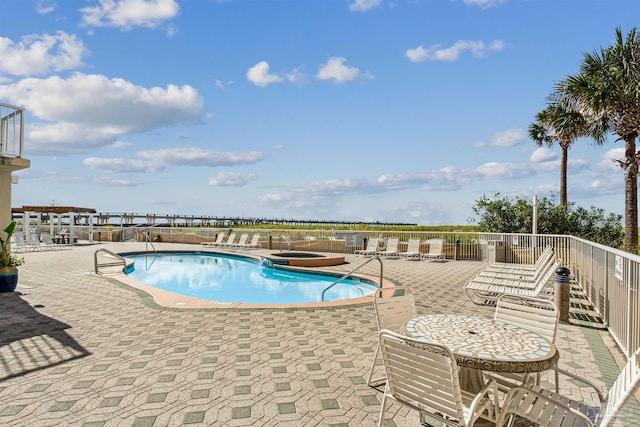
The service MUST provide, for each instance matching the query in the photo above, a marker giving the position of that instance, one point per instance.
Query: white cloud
(259, 75)
(115, 182)
(45, 7)
(120, 144)
(121, 165)
(192, 156)
(296, 76)
(231, 179)
(127, 14)
(508, 138)
(438, 53)
(611, 160)
(37, 54)
(335, 70)
(542, 154)
(87, 111)
(363, 5)
(484, 4)
(172, 30)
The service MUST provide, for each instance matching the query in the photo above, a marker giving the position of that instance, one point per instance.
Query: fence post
(562, 290)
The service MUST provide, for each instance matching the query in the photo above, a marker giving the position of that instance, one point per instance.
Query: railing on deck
(609, 277)
(11, 130)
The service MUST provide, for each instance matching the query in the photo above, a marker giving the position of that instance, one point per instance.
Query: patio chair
(392, 247)
(49, 243)
(507, 267)
(217, 242)
(34, 242)
(505, 275)
(21, 244)
(393, 307)
(371, 249)
(424, 376)
(486, 292)
(533, 314)
(241, 241)
(230, 240)
(413, 249)
(436, 249)
(254, 243)
(548, 408)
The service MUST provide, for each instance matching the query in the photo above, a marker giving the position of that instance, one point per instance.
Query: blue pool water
(228, 278)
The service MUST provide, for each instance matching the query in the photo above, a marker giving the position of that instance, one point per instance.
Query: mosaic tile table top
(485, 344)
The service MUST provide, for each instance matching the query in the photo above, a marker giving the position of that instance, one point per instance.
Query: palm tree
(607, 89)
(556, 123)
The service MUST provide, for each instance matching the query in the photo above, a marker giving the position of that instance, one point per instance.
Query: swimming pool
(228, 278)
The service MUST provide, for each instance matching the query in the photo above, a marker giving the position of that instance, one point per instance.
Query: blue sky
(364, 110)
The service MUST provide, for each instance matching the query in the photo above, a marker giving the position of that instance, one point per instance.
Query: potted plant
(8, 263)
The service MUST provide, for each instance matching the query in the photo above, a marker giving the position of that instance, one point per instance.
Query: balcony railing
(11, 130)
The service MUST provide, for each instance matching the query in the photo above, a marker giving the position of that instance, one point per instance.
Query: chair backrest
(231, 238)
(392, 244)
(544, 257)
(34, 240)
(46, 237)
(436, 246)
(243, 239)
(255, 239)
(413, 245)
(422, 375)
(19, 240)
(534, 314)
(394, 307)
(372, 244)
(622, 390)
(220, 238)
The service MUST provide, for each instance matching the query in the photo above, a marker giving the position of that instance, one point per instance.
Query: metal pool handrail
(353, 271)
(119, 260)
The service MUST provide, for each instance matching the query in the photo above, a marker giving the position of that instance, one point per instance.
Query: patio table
(485, 344)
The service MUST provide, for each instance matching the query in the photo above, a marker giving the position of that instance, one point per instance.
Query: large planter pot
(8, 279)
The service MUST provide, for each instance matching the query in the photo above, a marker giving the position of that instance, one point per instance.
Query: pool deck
(80, 349)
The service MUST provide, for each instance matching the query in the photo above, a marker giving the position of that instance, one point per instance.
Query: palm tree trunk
(563, 175)
(631, 196)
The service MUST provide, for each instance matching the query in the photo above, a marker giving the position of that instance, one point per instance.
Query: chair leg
(383, 406)
(373, 382)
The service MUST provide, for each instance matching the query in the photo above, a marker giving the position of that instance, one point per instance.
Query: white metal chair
(371, 249)
(392, 247)
(436, 249)
(393, 307)
(547, 408)
(534, 314)
(413, 249)
(424, 377)
(218, 242)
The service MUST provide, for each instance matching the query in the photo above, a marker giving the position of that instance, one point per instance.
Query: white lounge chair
(394, 307)
(219, 240)
(424, 376)
(506, 267)
(371, 249)
(20, 245)
(544, 407)
(230, 240)
(392, 247)
(486, 293)
(436, 249)
(413, 249)
(254, 243)
(49, 243)
(242, 241)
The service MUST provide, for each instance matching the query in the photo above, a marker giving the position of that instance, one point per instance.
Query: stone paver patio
(80, 349)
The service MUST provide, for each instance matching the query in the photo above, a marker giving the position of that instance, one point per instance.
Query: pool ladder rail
(112, 264)
(346, 276)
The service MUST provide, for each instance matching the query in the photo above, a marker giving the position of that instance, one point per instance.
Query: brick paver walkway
(84, 350)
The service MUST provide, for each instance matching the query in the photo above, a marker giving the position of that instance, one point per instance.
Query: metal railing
(344, 277)
(116, 261)
(609, 277)
(11, 130)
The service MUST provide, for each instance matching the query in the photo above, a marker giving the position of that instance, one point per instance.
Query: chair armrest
(520, 401)
(601, 396)
(491, 387)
